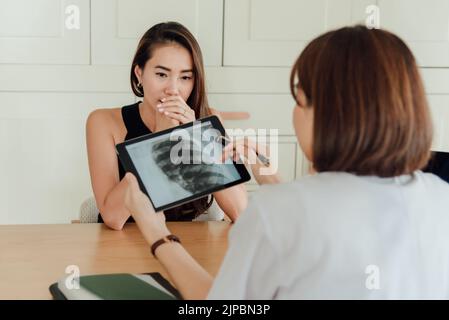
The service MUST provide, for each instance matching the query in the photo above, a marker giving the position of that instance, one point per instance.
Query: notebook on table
(118, 286)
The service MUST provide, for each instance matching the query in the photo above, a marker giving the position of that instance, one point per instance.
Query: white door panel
(286, 159)
(117, 26)
(424, 25)
(266, 111)
(439, 106)
(44, 170)
(35, 32)
(272, 33)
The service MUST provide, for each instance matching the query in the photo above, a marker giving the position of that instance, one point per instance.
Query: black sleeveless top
(135, 127)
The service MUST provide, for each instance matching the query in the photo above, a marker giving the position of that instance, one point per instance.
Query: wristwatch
(166, 239)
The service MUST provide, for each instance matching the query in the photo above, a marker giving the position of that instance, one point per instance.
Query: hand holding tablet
(181, 164)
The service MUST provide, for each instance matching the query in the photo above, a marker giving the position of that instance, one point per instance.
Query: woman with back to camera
(168, 73)
(369, 224)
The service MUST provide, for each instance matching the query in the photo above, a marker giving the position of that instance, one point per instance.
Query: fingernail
(163, 99)
(159, 105)
(165, 112)
(161, 110)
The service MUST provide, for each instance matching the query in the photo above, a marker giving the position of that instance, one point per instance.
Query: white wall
(52, 75)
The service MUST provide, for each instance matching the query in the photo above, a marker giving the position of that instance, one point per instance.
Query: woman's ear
(138, 73)
(301, 99)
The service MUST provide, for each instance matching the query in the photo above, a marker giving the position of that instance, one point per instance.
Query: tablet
(181, 164)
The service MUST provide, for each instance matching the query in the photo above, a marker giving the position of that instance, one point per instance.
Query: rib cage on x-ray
(192, 176)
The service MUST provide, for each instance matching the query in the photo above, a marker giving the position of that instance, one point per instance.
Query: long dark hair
(164, 34)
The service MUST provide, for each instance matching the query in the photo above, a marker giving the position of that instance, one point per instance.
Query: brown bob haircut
(370, 111)
(167, 33)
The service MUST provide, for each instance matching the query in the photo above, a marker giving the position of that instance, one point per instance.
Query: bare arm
(109, 191)
(188, 276)
(232, 200)
(191, 280)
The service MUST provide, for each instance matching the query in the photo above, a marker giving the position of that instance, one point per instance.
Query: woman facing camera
(168, 74)
(369, 224)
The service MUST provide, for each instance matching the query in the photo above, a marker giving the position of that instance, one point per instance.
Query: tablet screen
(181, 164)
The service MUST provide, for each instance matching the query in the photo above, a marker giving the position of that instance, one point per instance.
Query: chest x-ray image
(169, 178)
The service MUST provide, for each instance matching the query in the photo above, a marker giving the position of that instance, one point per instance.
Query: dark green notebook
(122, 286)
(119, 286)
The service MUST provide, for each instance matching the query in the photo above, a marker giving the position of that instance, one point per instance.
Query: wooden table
(34, 256)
